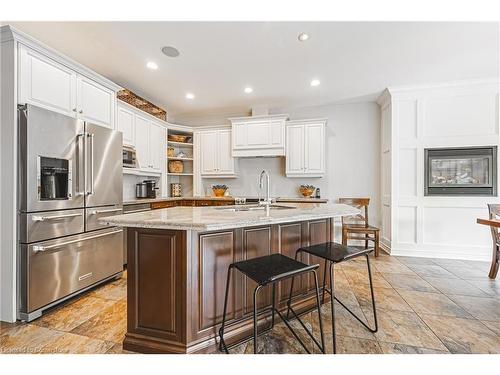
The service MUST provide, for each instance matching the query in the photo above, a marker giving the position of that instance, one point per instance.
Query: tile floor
(423, 306)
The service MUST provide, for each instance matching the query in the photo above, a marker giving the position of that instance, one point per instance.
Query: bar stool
(271, 269)
(334, 253)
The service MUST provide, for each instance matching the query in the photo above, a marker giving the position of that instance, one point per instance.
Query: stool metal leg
(291, 290)
(332, 305)
(222, 344)
(373, 295)
(274, 305)
(318, 304)
(255, 318)
(324, 283)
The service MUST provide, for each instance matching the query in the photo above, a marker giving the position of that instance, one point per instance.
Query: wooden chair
(494, 210)
(357, 227)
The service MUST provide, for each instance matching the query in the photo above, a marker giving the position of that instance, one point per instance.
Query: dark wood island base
(176, 283)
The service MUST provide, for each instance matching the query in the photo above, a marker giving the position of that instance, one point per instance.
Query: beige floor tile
(479, 308)
(463, 335)
(494, 326)
(27, 339)
(116, 290)
(110, 324)
(392, 348)
(490, 287)
(404, 327)
(467, 272)
(455, 286)
(386, 267)
(358, 277)
(345, 323)
(431, 270)
(408, 282)
(67, 317)
(351, 345)
(415, 261)
(118, 349)
(385, 298)
(433, 303)
(76, 344)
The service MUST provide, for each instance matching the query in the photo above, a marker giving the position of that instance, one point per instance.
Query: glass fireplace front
(460, 171)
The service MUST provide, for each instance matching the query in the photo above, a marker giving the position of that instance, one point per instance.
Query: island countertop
(218, 218)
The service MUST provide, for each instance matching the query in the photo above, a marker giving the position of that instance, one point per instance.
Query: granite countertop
(225, 198)
(217, 218)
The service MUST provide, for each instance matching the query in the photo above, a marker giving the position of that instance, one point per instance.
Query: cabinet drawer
(166, 204)
(92, 216)
(61, 267)
(44, 225)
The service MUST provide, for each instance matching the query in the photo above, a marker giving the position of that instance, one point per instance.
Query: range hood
(258, 136)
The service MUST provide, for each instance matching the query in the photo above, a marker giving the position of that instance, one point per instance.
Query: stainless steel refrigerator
(70, 175)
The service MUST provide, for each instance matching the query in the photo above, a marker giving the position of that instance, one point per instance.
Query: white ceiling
(218, 59)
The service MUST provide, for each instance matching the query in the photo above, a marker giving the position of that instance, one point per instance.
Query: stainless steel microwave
(129, 157)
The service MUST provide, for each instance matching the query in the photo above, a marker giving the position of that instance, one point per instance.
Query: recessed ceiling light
(303, 37)
(248, 90)
(152, 65)
(189, 96)
(315, 82)
(170, 51)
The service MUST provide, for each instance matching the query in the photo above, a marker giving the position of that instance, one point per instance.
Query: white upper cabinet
(215, 153)
(45, 83)
(49, 84)
(125, 122)
(305, 148)
(258, 136)
(150, 142)
(157, 151)
(142, 127)
(95, 103)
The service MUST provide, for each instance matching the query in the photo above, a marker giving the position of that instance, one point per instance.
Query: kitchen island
(177, 267)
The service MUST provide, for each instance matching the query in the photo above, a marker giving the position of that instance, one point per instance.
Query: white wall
(413, 119)
(352, 159)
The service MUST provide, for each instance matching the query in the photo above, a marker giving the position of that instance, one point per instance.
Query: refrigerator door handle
(56, 217)
(80, 158)
(41, 248)
(96, 212)
(90, 136)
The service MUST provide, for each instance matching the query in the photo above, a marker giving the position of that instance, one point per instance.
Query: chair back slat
(494, 210)
(359, 203)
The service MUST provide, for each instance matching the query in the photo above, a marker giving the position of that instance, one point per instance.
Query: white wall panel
(407, 119)
(407, 171)
(407, 225)
(463, 115)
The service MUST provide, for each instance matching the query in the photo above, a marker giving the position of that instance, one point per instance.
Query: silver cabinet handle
(80, 111)
(140, 210)
(90, 136)
(55, 217)
(74, 109)
(41, 248)
(95, 212)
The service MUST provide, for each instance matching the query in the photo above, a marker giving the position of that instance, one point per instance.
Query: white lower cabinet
(49, 84)
(305, 148)
(215, 153)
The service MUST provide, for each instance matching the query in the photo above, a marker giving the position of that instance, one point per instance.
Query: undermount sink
(253, 207)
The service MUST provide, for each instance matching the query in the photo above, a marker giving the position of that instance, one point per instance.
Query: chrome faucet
(268, 199)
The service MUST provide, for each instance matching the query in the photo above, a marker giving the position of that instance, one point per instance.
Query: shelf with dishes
(180, 160)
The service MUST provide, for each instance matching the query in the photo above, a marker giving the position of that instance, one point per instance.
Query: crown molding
(9, 33)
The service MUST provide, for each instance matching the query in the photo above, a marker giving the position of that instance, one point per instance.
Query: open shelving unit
(186, 178)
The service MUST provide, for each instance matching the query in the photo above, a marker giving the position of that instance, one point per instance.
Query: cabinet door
(142, 126)
(226, 161)
(45, 83)
(156, 146)
(125, 124)
(277, 133)
(208, 152)
(258, 134)
(295, 149)
(95, 102)
(314, 148)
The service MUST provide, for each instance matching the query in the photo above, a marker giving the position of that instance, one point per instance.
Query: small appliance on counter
(129, 157)
(146, 189)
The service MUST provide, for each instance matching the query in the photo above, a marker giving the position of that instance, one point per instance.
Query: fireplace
(461, 171)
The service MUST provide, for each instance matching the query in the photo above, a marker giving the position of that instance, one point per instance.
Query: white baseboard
(439, 254)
